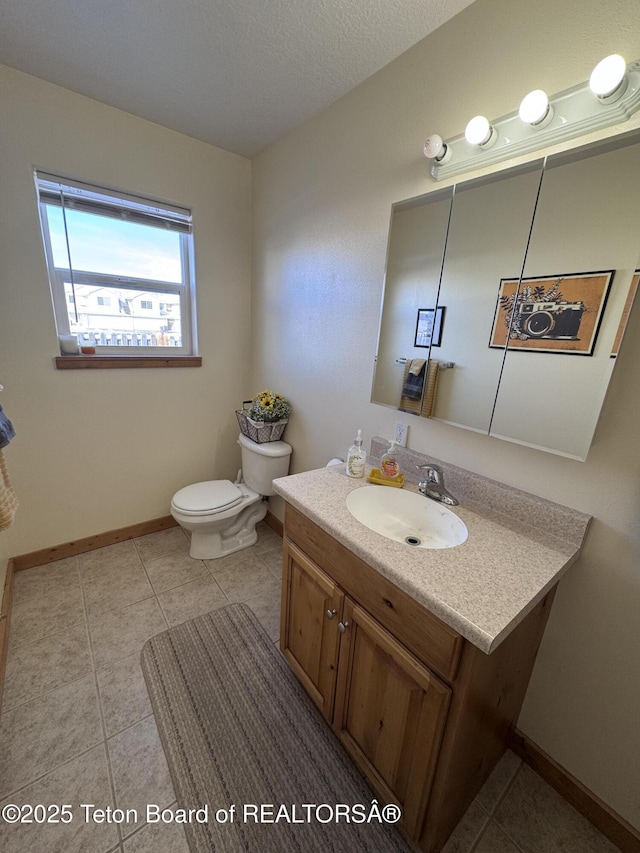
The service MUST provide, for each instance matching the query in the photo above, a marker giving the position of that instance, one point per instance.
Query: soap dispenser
(356, 458)
(389, 467)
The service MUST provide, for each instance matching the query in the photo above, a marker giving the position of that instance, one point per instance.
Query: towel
(413, 380)
(7, 431)
(8, 500)
(431, 386)
(420, 404)
(411, 383)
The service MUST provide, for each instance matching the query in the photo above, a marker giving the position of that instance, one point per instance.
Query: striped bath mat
(248, 749)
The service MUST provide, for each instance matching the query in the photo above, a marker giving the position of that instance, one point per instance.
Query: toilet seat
(208, 498)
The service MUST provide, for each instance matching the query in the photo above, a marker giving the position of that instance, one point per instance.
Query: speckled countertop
(482, 588)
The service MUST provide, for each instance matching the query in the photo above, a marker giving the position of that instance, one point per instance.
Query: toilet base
(210, 546)
(213, 544)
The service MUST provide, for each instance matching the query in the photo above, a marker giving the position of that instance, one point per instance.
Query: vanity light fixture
(611, 96)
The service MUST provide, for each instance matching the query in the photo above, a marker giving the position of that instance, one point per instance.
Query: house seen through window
(120, 268)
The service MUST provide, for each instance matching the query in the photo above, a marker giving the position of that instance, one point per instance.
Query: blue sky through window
(114, 247)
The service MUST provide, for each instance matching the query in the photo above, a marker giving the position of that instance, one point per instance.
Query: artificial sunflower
(269, 407)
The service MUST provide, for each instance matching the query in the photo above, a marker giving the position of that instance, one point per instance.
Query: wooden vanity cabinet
(309, 637)
(424, 714)
(389, 713)
(385, 706)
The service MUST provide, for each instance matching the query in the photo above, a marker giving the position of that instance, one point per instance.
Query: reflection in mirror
(417, 241)
(544, 259)
(578, 285)
(490, 225)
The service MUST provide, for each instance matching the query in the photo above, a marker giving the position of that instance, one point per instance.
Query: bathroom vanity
(420, 659)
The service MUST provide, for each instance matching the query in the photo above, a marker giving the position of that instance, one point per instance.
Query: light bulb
(535, 109)
(436, 149)
(480, 132)
(609, 78)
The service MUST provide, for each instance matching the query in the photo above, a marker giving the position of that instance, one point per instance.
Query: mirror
(578, 277)
(526, 296)
(490, 223)
(417, 240)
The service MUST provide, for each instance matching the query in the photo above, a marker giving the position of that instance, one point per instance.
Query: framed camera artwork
(429, 326)
(560, 313)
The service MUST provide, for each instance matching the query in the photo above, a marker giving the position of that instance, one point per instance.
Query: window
(111, 257)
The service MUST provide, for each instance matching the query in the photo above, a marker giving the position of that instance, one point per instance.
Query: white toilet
(222, 515)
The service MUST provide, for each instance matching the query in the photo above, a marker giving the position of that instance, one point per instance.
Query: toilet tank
(262, 463)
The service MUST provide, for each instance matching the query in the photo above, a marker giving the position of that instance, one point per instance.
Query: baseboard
(274, 523)
(101, 540)
(5, 621)
(597, 812)
(90, 543)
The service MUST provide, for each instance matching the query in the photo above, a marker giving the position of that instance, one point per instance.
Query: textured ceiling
(236, 73)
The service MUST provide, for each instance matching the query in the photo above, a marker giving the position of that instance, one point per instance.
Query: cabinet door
(309, 638)
(390, 714)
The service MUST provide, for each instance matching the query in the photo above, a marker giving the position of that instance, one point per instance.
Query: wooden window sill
(110, 362)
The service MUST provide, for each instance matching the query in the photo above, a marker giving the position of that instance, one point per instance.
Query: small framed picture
(429, 326)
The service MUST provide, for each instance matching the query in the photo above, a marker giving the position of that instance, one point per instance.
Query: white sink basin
(406, 517)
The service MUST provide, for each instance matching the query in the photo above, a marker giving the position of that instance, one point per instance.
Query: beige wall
(101, 449)
(322, 199)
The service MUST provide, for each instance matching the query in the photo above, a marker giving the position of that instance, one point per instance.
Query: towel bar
(444, 365)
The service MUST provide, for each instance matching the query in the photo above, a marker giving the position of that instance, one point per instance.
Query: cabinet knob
(331, 613)
(342, 626)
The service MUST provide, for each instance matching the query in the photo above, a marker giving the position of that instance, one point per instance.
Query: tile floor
(77, 727)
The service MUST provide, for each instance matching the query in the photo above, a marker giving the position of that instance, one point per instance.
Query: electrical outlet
(400, 435)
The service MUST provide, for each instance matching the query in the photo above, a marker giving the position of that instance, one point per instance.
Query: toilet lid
(210, 496)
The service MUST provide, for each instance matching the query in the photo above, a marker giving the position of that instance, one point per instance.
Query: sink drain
(413, 540)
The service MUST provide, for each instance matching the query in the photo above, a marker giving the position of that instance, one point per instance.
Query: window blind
(61, 192)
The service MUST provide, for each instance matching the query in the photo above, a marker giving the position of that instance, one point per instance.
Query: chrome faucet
(433, 486)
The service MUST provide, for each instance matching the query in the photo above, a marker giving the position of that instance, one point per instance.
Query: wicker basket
(260, 431)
